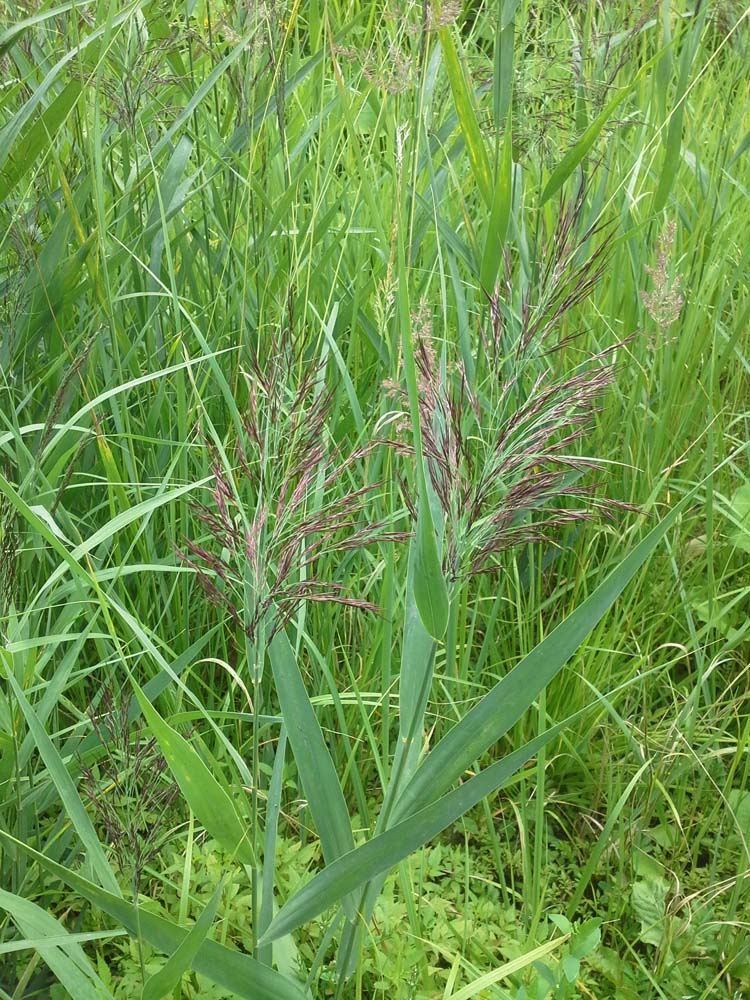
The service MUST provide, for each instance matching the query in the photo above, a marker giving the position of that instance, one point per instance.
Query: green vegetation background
(185, 189)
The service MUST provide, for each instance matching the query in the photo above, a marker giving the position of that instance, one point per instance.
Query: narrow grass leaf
(66, 790)
(467, 117)
(505, 704)
(577, 152)
(180, 961)
(499, 216)
(12, 34)
(602, 841)
(273, 809)
(29, 146)
(673, 144)
(387, 849)
(484, 982)
(212, 806)
(317, 772)
(62, 953)
(430, 589)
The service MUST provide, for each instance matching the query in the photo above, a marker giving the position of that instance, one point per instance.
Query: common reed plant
(373, 492)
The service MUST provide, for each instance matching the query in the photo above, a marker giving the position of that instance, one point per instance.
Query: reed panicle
(503, 456)
(129, 787)
(294, 500)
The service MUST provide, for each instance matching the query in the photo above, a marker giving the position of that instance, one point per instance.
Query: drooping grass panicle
(294, 498)
(502, 457)
(128, 787)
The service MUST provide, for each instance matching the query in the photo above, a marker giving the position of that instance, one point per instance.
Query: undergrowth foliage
(355, 362)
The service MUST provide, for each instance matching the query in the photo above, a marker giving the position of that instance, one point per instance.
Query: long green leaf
(500, 709)
(212, 806)
(500, 214)
(576, 153)
(482, 726)
(66, 790)
(384, 851)
(673, 143)
(26, 152)
(179, 962)
(467, 117)
(11, 35)
(430, 590)
(62, 953)
(317, 772)
(118, 523)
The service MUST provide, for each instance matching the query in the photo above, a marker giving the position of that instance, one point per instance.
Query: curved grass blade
(500, 709)
(313, 759)
(467, 117)
(179, 962)
(213, 808)
(66, 790)
(61, 951)
(673, 144)
(500, 214)
(430, 590)
(456, 752)
(577, 152)
(384, 851)
(30, 145)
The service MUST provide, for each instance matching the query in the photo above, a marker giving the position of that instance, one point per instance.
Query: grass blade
(576, 153)
(456, 752)
(500, 214)
(66, 790)
(387, 849)
(506, 703)
(168, 978)
(66, 958)
(467, 117)
(313, 759)
(212, 806)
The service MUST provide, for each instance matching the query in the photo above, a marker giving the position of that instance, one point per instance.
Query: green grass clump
(374, 500)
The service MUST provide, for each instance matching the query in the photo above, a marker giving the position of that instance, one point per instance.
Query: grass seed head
(295, 501)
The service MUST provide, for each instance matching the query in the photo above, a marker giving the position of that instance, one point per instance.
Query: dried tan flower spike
(665, 302)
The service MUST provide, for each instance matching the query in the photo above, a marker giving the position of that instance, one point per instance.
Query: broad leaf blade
(430, 589)
(384, 851)
(500, 709)
(313, 759)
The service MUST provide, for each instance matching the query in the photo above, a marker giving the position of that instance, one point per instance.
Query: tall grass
(374, 438)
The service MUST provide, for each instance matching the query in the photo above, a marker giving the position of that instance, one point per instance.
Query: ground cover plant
(374, 500)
